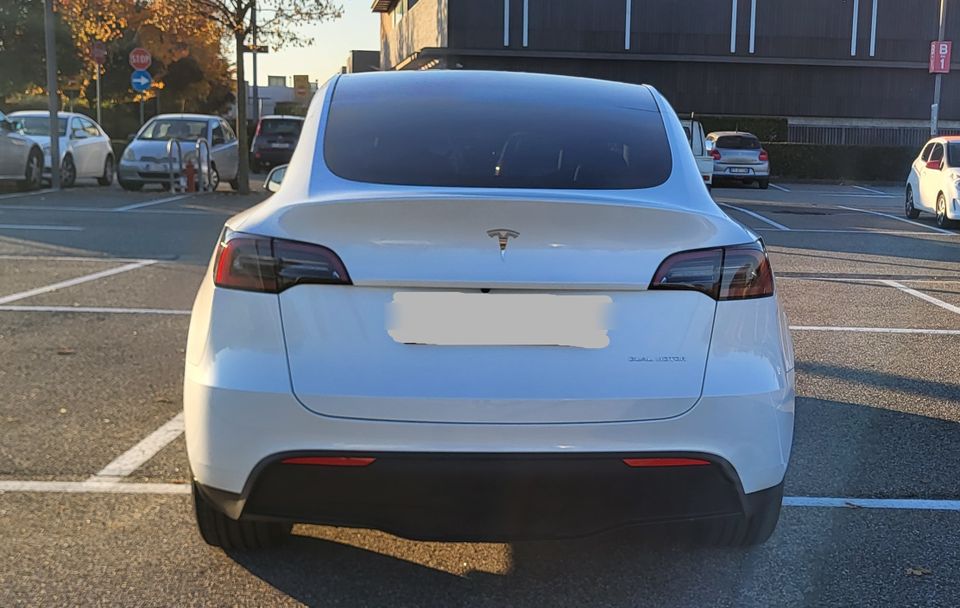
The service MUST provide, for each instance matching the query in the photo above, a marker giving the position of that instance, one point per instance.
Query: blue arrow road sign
(141, 80)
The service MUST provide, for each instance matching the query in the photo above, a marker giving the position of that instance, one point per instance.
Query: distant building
(362, 61)
(830, 67)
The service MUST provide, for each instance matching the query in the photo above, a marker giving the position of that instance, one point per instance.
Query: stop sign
(98, 52)
(140, 59)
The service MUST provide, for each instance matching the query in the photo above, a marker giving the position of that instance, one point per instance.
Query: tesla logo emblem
(503, 236)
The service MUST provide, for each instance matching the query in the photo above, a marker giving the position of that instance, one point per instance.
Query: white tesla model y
(488, 306)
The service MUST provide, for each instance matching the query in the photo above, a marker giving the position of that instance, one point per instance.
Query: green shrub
(851, 163)
(767, 129)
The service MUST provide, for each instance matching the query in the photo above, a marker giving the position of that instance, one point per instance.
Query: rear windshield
(738, 142)
(280, 126)
(445, 136)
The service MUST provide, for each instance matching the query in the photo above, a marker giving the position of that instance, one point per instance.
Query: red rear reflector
(329, 461)
(664, 462)
(763, 156)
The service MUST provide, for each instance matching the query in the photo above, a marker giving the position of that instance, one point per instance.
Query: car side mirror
(274, 179)
(79, 134)
(934, 164)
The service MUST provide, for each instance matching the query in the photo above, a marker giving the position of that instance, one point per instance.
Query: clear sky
(359, 29)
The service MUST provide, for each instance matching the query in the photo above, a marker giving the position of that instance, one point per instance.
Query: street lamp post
(53, 96)
(938, 81)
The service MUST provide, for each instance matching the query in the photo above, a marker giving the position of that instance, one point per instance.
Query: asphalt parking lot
(95, 290)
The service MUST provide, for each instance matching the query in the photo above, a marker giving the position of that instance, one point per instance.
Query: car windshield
(456, 139)
(39, 125)
(738, 142)
(166, 128)
(280, 126)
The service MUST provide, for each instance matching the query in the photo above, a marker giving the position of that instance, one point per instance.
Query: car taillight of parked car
(258, 263)
(764, 156)
(715, 154)
(741, 272)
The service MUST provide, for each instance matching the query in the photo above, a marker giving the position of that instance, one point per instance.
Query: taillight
(715, 154)
(258, 263)
(764, 157)
(730, 273)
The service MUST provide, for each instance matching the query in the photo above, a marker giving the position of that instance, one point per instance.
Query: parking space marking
(905, 504)
(899, 219)
(69, 209)
(848, 195)
(160, 201)
(758, 216)
(780, 188)
(96, 310)
(92, 487)
(77, 281)
(870, 190)
(878, 330)
(67, 258)
(40, 227)
(922, 296)
(135, 457)
(22, 194)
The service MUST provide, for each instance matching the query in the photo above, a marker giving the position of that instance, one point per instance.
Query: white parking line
(899, 219)
(906, 504)
(93, 487)
(922, 296)
(871, 190)
(68, 209)
(879, 330)
(96, 309)
(159, 201)
(40, 227)
(758, 216)
(135, 457)
(77, 281)
(780, 188)
(848, 195)
(22, 194)
(67, 258)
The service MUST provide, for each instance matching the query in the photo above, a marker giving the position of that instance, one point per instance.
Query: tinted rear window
(738, 142)
(496, 134)
(279, 126)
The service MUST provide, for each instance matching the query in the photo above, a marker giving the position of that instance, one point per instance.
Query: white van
(698, 143)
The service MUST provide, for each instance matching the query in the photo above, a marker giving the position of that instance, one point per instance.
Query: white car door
(225, 151)
(84, 147)
(930, 178)
(98, 148)
(9, 152)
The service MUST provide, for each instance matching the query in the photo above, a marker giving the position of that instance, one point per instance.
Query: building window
(276, 81)
(399, 10)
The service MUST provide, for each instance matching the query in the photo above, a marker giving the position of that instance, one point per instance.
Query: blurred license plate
(479, 319)
(739, 170)
(279, 145)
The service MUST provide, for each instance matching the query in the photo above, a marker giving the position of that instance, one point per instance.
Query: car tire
(745, 530)
(909, 209)
(764, 184)
(214, 178)
(942, 220)
(33, 171)
(218, 530)
(131, 186)
(108, 172)
(68, 172)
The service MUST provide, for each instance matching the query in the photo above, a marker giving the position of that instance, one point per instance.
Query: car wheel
(131, 186)
(764, 184)
(214, 177)
(33, 172)
(218, 530)
(744, 530)
(68, 172)
(909, 210)
(942, 220)
(108, 171)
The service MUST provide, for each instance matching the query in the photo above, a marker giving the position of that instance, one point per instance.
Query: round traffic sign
(141, 80)
(140, 58)
(98, 52)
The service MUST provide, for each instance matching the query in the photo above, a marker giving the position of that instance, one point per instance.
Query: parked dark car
(274, 141)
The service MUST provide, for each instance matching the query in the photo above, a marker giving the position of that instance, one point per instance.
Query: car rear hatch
(497, 310)
(739, 149)
(278, 133)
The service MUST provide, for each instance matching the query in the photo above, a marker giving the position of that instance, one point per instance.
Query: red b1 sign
(140, 59)
(940, 51)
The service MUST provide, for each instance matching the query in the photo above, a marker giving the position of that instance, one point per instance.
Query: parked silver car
(85, 150)
(146, 161)
(739, 155)
(21, 159)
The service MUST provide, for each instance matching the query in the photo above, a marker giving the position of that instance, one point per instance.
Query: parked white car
(21, 159)
(699, 147)
(146, 161)
(516, 315)
(932, 185)
(85, 150)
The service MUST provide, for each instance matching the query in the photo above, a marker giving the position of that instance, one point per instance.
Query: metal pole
(938, 81)
(256, 90)
(141, 109)
(53, 98)
(98, 94)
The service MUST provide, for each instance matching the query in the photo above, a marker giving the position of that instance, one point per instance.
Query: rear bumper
(740, 171)
(273, 157)
(488, 497)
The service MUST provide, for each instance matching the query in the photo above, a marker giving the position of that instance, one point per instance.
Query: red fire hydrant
(190, 173)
